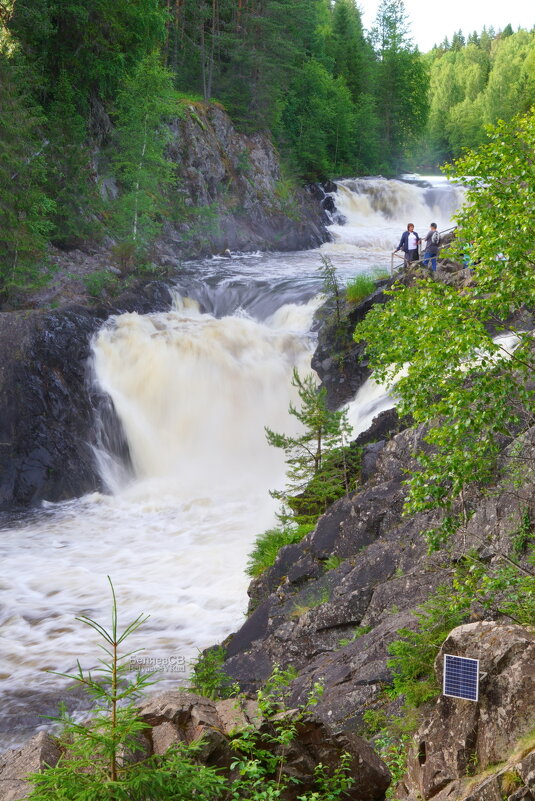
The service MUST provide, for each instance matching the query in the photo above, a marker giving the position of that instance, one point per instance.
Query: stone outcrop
(40, 752)
(236, 179)
(182, 717)
(459, 737)
(48, 406)
(333, 623)
(340, 362)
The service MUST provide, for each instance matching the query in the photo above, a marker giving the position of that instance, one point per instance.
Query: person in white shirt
(409, 244)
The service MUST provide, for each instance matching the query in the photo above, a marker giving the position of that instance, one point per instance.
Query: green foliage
(360, 287)
(473, 393)
(472, 85)
(268, 545)
(318, 123)
(393, 750)
(320, 463)
(413, 655)
(359, 632)
(25, 207)
(100, 283)
(509, 589)
(145, 101)
(524, 534)
(98, 762)
(331, 287)
(504, 588)
(402, 82)
(69, 181)
(104, 757)
(310, 601)
(332, 562)
(99, 43)
(208, 677)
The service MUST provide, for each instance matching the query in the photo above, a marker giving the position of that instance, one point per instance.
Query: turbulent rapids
(194, 389)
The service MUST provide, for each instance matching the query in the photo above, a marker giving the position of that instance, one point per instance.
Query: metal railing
(419, 261)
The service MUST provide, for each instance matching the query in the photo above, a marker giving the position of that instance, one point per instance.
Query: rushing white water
(371, 214)
(194, 391)
(194, 394)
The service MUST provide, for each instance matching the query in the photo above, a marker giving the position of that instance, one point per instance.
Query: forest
(84, 85)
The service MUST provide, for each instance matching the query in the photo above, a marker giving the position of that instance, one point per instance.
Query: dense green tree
(454, 378)
(145, 101)
(25, 208)
(458, 40)
(99, 42)
(476, 85)
(320, 464)
(505, 92)
(401, 82)
(352, 54)
(318, 123)
(70, 179)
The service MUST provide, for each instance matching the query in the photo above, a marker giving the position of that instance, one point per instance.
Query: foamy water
(376, 211)
(193, 392)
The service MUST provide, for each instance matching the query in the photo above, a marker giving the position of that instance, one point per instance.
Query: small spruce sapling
(101, 759)
(320, 462)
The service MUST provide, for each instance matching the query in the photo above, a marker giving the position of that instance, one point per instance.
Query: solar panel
(461, 677)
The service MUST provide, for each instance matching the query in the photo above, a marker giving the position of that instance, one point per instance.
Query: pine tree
(145, 101)
(70, 181)
(402, 82)
(25, 209)
(321, 466)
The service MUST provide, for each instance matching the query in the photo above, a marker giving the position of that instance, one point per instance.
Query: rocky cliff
(234, 187)
(49, 406)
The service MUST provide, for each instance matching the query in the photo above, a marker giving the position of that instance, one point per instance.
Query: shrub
(208, 677)
(100, 761)
(103, 761)
(360, 287)
(99, 282)
(268, 545)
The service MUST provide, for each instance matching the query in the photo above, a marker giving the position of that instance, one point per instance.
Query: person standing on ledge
(432, 246)
(409, 244)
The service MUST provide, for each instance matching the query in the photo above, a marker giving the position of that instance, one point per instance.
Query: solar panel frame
(461, 677)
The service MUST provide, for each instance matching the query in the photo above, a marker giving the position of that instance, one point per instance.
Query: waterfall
(188, 489)
(370, 214)
(193, 394)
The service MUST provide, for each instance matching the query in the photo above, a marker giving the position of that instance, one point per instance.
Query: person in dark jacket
(432, 246)
(409, 244)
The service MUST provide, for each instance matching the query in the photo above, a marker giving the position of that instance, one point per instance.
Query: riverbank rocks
(340, 362)
(38, 753)
(51, 415)
(183, 717)
(460, 738)
(186, 717)
(331, 604)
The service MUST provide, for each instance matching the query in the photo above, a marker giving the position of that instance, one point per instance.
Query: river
(193, 388)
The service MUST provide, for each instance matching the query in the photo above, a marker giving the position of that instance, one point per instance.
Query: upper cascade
(371, 213)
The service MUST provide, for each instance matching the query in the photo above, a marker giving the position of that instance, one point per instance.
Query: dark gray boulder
(48, 406)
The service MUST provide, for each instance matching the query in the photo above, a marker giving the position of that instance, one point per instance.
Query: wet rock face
(237, 179)
(340, 362)
(462, 737)
(47, 405)
(334, 625)
(333, 622)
